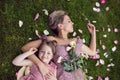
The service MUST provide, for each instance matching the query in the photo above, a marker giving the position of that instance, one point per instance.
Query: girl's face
(67, 24)
(45, 54)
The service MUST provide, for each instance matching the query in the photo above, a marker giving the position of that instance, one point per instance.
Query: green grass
(13, 37)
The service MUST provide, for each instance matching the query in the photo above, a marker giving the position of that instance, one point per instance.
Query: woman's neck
(63, 35)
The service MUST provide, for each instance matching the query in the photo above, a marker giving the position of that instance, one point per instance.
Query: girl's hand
(50, 76)
(32, 50)
(91, 28)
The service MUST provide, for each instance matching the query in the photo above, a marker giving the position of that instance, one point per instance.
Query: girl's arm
(21, 61)
(91, 50)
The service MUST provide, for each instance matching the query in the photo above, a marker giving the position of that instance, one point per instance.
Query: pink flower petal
(36, 16)
(99, 78)
(107, 78)
(115, 41)
(102, 1)
(116, 30)
(103, 47)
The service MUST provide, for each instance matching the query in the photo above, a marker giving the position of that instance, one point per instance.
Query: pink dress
(61, 73)
(35, 74)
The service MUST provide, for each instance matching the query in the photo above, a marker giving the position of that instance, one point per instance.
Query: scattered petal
(36, 32)
(83, 40)
(20, 23)
(109, 30)
(102, 1)
(107, 78)
(94, 21)
(45, 11)
(96, 9)
(16, 74)
(96, 56)
(97, 50)
(97, 4)
(105, 54)
(102, 62)
(108, 69)
(103, 47)
(90, 77)
(115, 41)
(99, 78)
(97, 63)
(105, 36)
(80, 31)
(74, 34)
(107, 8)
(59, 59)
(36, 16)
(68, 48)
(46, 32)
(29, 38)
(100, 42)
(114, 48)
(116, 30)
(103, 29)
(111, 60)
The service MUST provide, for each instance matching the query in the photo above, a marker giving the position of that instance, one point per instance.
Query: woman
(45, 54)
(60, 23)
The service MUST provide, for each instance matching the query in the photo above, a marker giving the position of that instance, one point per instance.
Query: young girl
(45, 54)
(61, 24)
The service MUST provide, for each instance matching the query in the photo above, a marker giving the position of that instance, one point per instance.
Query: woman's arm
(91, 50)
(20, 59)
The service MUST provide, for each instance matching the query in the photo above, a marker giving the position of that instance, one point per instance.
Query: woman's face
(45, 54)
(67, 24)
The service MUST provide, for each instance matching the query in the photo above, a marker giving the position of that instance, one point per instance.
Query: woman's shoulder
(51, 38)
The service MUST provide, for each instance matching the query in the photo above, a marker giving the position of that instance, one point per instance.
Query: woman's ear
(60, 26)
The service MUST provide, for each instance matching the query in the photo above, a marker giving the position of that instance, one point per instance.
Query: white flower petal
(107, 78)
(59, 59)
(106, 54)
(103, 47)
(97, 4)
(114, 48)
(102, 61)
(108, 69)
(80, 31)
(94, 21)
(29, 38)
(36, 16)
(74, 34)
(97, 63)
(36, 32)
(90, 77)
(105, 36)
(109, 30)
(45, 11)
(46, 32)
(83, 40)
(20, 23)
(107, 8)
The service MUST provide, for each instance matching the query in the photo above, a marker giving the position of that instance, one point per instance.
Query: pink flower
(99, 78)
(102, 1)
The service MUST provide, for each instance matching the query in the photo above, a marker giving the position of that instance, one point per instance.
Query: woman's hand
(50, 76)
(91, 28)
(32, 50)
